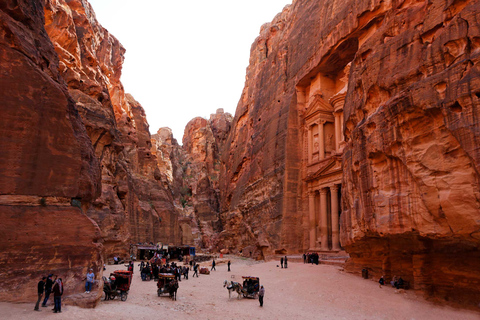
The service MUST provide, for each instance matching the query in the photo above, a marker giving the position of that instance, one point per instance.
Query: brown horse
(172, 289)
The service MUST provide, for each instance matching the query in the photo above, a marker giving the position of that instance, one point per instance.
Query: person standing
(285, 262)
(228, 264)
(40, 289)
(281, 262)
(304, 258)
(213, 265)
(57, 295)
(48, 289)
(90, 280)
(261, 294)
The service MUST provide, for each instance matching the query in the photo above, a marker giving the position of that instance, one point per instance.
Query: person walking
(213, 265)
(40, 290)
(48, 289)
(281, 262)
(285, 263)
(228, 264)
(57, 295)
(261, 294)
(90, 280)
(195, 270)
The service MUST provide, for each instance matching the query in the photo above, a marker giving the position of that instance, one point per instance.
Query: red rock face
(134, 206)
(411, 165)
(410, 193)
(48, 171)
(192, 172)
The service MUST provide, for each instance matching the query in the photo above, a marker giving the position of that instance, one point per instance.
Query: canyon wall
(79, 180)
(410, 193)
(193, 174)
(49, 174)
(134, 205)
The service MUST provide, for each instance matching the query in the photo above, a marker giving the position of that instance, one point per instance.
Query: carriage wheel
(123, 296)
(159, 292)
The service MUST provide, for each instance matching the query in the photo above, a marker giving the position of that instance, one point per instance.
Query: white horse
(233, 286)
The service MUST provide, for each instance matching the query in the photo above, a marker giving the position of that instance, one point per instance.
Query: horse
(172, 289)
(234, 286)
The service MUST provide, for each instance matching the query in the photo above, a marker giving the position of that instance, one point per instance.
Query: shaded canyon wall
(410, 194)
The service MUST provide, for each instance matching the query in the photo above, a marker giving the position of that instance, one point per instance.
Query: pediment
(331, 167)
(318, 104)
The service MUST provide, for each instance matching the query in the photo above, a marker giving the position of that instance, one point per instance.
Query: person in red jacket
(57, 295)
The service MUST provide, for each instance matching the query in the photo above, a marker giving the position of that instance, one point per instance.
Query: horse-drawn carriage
(167, 284)
(251, 287)
(117, 285)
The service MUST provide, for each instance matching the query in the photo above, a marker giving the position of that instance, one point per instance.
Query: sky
(185, 59)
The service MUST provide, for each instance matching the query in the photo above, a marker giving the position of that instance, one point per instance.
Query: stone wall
(49, 174)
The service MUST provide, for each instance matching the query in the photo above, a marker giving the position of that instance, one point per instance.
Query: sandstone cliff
(49, 174)
(410, 194)
(192, 173)
(75, 146)
(134, 205)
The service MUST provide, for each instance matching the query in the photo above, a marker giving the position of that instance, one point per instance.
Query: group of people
(397, 283)
(311, 257)
(284, 262)
(47, 285)
(154, 269)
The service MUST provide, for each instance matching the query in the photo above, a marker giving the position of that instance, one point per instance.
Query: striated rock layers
(79, 181)
(193, 172)
(49, 174)
(134, 205)
(410, 193)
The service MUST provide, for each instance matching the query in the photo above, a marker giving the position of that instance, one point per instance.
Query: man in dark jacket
(40, 288)
(57, 295)
(48, 289)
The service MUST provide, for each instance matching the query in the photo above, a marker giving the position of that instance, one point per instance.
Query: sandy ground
(300, 292)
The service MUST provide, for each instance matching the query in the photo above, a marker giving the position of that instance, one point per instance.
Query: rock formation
(75, 146)
(410, 193)
(49, 174)
(192, 173)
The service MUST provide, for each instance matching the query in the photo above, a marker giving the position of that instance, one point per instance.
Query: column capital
(311, 193)
(323, 191)
(334, 187)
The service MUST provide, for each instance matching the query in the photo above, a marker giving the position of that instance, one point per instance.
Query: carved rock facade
(405, 74)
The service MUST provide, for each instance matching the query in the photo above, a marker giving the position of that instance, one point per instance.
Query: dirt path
(299, 292)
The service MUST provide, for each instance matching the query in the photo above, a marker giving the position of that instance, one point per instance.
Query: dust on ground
(303, 291)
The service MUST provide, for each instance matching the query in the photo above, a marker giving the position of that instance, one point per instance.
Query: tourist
(285, 263)
(195, 270)
(261, 294)
(213, 265)
(381, 281)
(304, 258)
(57, 295)
(399, 283)
(281, 262)
(40, 289)
(90, 280)
(48, 289)
(228, 264)
(115, 260)
(394, 281)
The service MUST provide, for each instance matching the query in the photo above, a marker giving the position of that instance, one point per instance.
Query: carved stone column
(321, 137)
(337, 132)
(323, 220)
(313, 227)
(310, 143)
(335, 225)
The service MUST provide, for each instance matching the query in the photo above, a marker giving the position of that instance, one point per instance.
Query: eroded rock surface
(49, 174)
(193, 172)
(410, 193)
